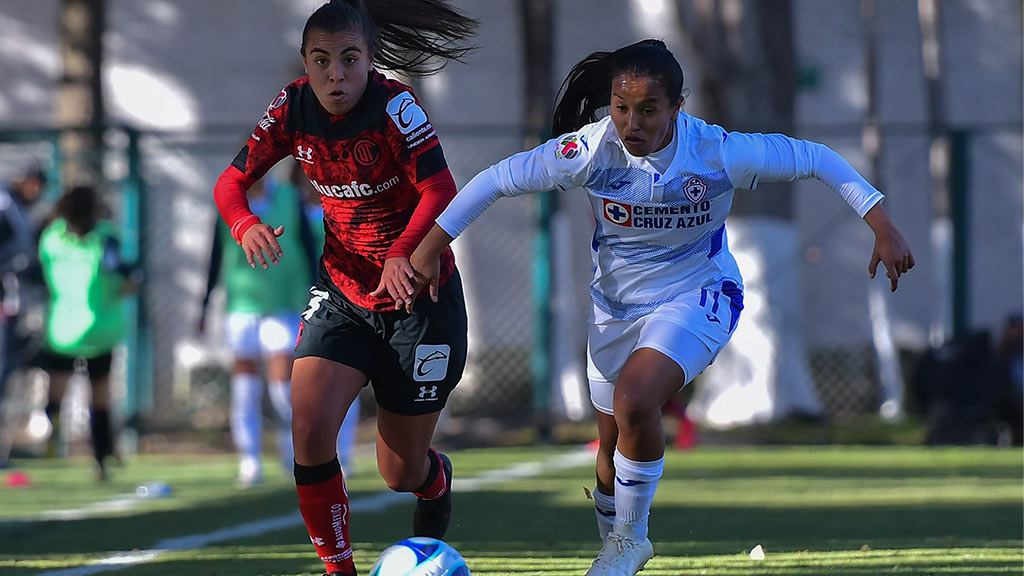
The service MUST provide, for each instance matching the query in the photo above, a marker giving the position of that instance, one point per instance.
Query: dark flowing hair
(587, 88)
(81, 208)
(404, 35)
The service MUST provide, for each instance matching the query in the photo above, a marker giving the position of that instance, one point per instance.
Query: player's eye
(351, 60)
(320, 61)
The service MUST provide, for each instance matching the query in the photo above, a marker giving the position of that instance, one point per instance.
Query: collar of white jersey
(678, 158)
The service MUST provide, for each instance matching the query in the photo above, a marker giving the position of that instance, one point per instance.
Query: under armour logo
(305, 154)
(316, 541)
(424, 391)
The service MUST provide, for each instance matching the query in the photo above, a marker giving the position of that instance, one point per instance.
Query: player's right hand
(260, 242)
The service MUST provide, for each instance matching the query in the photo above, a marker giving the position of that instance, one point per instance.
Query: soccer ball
(420, 557)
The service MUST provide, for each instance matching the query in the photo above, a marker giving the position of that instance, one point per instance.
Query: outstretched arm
(775, 157)
(524, 173)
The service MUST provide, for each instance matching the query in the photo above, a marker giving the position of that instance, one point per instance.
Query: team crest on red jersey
(366, 152)
(695, 189)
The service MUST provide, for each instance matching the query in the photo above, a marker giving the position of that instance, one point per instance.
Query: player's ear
(678, 107)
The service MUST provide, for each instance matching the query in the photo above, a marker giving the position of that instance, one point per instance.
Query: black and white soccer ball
(420, 556)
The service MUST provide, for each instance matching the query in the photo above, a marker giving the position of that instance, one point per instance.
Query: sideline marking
(374, 503)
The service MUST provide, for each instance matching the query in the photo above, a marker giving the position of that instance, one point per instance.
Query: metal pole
(959, 178)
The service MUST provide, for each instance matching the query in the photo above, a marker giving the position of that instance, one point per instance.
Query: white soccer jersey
(657, 235)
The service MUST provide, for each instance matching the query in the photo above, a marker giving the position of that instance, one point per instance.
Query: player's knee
(311, 433)
(634, 411)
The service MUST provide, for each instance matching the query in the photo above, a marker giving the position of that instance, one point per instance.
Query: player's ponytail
(587, 88)
(416, 37)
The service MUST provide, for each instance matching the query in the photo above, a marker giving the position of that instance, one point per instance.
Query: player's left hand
(428, 272)
(892, 250)
(397, 281)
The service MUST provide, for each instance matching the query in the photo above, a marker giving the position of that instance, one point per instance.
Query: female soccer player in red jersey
(368, 147)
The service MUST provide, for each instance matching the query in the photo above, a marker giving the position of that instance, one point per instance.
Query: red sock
(436, 484)
(323, 502)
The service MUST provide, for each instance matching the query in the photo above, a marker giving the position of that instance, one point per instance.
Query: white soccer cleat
(622, 554)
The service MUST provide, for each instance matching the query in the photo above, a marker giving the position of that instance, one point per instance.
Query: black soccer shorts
(413, 361)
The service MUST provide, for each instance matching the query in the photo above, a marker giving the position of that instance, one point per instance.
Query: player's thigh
(322, 391)
(609, 345)
(647, 381)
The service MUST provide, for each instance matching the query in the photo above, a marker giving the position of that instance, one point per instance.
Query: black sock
(102, 438)
(309, 475)
(435, 469)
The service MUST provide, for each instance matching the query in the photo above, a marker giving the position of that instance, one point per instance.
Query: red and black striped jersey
(372, 167)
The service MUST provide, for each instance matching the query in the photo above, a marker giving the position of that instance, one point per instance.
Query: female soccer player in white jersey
(666, 291)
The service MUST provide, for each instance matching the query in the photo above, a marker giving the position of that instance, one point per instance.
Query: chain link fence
(829, 315)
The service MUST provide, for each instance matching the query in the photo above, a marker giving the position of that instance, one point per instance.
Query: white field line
(369, 504)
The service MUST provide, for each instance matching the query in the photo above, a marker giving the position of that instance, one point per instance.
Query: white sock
(604, 509)
(247, 415)
(281, 400)
(347, 436)
(635, 483)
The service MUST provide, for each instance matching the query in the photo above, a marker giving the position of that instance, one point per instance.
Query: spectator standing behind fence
(262, 317)
(81, 261)
(368, 147)
(666, 291)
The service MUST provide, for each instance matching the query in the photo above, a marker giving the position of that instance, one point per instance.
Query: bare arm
(426, 259)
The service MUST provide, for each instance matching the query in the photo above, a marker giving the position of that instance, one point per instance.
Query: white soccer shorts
(254, 336)
(691, 329)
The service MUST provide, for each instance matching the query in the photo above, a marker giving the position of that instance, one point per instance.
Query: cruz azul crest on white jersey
(695, 189)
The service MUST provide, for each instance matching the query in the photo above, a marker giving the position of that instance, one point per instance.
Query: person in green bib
(80, 258)
(262, 315)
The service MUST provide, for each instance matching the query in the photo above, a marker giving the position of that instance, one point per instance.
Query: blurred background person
(1008, 376)
(262, 310)
(19, 266)
(81, 261)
